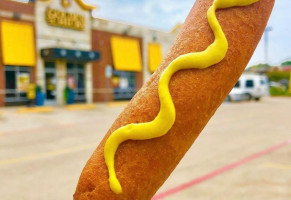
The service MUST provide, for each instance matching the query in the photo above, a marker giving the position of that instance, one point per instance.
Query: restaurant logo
(66, 3)
(65, 19)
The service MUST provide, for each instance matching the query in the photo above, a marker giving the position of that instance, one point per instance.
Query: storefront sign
(64, 19)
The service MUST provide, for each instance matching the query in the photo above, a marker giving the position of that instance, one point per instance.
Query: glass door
(76, 80)
(50, 82)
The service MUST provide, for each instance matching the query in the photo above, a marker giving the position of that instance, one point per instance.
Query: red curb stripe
(219, 171)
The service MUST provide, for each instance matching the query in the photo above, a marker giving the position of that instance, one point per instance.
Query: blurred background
(69, 67)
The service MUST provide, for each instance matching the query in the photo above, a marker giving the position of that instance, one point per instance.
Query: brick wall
(2, 76)
(16, 7)
(2, 94)
(102, 87)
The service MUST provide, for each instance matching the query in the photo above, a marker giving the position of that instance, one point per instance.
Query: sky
(165, 14)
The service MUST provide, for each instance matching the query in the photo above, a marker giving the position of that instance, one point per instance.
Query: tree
(287, 63)
(260, 66)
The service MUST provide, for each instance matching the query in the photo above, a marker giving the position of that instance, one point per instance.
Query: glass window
(50, 65)
(10, 80)
(81, 81)
(125, 84)
(249, 83)
(17, 80)
(70, 66)
(80, 67)
(237, 85)
(10, 95)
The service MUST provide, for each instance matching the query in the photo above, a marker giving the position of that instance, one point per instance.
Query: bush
(38, 88)
(276, 91)
(278, 75)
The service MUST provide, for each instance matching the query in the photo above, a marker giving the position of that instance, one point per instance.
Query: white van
(248, 87)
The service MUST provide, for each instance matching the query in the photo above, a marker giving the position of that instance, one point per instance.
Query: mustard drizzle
(167, 114)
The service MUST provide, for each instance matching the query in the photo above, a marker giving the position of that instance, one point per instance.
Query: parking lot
(244, 153)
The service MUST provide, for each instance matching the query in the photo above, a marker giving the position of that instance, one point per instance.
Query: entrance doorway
(50, 83)
(76, 80)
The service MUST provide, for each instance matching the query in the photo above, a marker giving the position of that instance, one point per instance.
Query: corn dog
(165, 117)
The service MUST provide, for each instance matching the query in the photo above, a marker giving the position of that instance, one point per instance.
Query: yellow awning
(126, 54)
(154, 56)
(18, 44)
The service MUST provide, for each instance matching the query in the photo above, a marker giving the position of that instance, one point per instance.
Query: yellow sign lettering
(65, 19)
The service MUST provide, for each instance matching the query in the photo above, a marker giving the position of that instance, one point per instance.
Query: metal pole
(266, 47)
(266, 40)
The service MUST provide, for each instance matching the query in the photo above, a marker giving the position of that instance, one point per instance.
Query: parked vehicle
(248, 87)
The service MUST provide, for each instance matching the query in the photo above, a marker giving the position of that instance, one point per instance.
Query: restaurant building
(57, 44)
(64, 45)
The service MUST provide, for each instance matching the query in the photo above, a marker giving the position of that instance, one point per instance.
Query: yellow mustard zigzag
(167, 114)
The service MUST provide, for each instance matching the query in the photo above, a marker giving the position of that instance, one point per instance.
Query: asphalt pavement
(242, 154)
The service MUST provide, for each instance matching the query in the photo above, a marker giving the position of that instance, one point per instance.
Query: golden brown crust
(143, 166)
